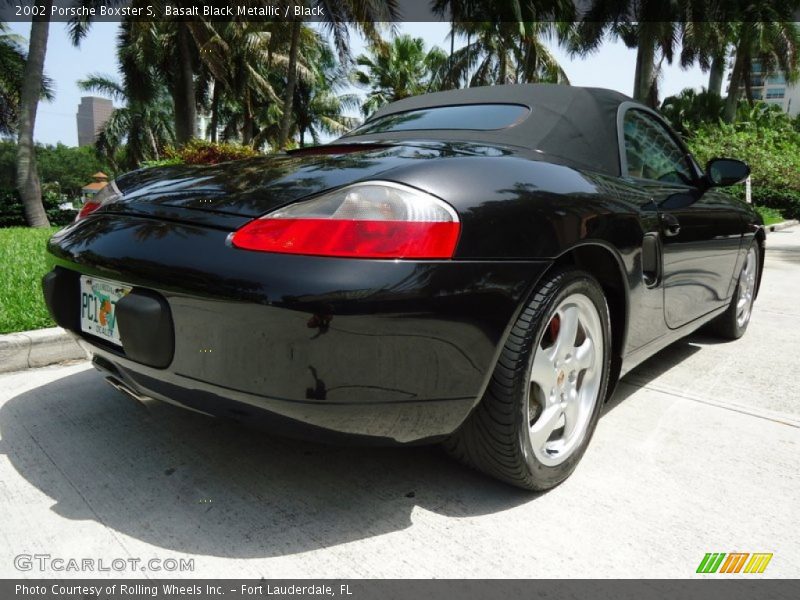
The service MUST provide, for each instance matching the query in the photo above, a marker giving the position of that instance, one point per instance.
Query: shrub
(690, 109)
(773, 153)
(164, 162)
(783, 200)
(13, 215)
(202, 152)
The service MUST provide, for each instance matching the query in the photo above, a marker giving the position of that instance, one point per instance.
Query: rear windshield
(480, 117)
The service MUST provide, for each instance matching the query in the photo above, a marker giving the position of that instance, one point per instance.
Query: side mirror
(726, 171)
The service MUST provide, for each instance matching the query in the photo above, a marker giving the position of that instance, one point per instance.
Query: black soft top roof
(576, 124)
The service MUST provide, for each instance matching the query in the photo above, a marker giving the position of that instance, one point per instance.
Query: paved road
(697, 453)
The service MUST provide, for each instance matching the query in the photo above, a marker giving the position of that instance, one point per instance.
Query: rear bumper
(396, 350)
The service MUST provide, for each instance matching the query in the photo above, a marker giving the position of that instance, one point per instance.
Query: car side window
(651, 152)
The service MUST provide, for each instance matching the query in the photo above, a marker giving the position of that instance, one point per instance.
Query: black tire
(727, 325)
(495, 437)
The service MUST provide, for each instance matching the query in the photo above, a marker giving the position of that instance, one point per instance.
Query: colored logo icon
(734, 562)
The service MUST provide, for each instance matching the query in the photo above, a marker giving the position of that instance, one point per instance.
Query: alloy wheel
(565, 378)
(747, 287)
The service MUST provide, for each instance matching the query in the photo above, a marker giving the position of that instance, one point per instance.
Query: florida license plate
(99, 299)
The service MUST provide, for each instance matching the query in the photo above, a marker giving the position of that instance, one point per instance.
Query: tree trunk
(748, 91)
(214, 125)
(247, 128)
(28, 184)
(291, 81)
(467, 81)
(734, 88)
(645, 57)
(183, 95)
(715, 75)
(153, 143)
(451, 84)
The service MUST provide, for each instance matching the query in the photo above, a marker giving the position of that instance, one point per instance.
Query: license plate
(99, 299)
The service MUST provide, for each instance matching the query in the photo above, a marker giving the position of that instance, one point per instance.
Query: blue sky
(611, 67)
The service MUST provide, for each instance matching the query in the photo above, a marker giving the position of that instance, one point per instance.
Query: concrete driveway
(698, 452)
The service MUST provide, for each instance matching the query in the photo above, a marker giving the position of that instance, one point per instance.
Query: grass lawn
(770, 215)
(22, 267)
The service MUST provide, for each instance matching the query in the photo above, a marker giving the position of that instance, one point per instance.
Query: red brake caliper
(553, 327)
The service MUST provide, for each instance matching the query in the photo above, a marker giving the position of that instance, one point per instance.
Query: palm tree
(318, 105)
(499, 52)
(28, 183)
(291, 82)
(708, 44)
(244, 63)
(175, 47)
(397, 70)
(363, 14)
(770, 36)
(33, 87)
(169, 48)
(144, 128)
(656, 28)
(653, 29)
(12, 65)
(177, 50)
(520, 23)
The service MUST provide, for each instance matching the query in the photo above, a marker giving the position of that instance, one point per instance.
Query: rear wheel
(732, 324)
(541, 407)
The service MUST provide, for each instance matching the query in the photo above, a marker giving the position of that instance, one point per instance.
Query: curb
(38, 348)
(783, 225)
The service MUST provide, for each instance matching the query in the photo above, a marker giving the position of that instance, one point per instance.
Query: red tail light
(371, 220)
(88, 208)
(108, 194)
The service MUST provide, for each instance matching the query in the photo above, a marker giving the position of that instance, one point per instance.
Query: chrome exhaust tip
(120, 386)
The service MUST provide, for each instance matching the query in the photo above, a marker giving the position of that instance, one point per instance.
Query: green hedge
(12, 214)
(773, 153)
(785, 200)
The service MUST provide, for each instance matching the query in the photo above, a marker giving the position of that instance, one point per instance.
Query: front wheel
(541, 407)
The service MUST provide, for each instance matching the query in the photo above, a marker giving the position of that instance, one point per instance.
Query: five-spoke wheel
(542, 404)
(565, 379)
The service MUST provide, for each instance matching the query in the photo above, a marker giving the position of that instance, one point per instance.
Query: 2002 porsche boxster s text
(477, 267)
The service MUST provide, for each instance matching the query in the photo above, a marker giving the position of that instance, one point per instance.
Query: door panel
(700, 232)
(699, 259)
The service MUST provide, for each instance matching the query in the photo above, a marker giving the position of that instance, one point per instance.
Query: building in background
(93, 112)
(773, 89)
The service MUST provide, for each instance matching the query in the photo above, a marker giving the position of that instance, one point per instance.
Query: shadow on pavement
(190, 483)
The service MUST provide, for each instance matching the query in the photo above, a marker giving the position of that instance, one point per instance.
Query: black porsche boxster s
(477, 267)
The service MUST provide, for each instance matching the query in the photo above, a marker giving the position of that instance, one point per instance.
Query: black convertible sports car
(477, 267)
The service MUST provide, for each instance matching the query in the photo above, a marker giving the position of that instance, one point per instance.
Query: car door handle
(671, 225)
